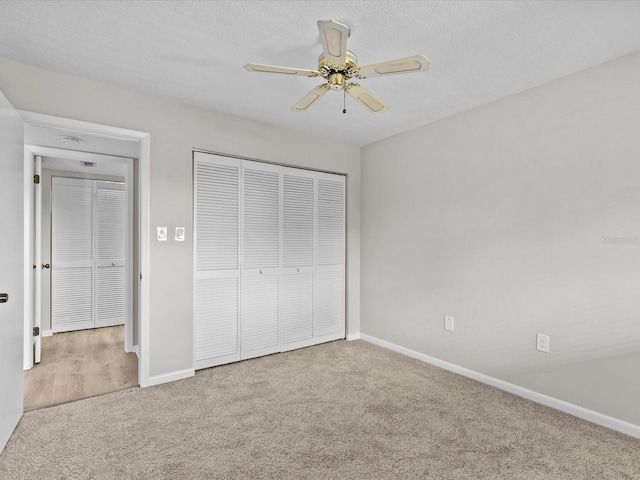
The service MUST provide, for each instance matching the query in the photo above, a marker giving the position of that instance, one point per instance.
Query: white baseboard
(170, 377)
(46, 333)
(353, 336)
(566, 407)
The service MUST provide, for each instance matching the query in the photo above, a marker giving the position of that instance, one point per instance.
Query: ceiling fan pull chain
(344, 100)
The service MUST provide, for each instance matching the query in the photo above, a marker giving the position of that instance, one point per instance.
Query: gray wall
(517, 217)
(45, 245)
(176, 129)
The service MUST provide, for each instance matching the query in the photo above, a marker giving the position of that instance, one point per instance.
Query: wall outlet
(448, 323)
(179, 234)
(542, 343)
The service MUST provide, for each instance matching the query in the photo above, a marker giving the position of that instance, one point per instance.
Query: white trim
(170, 377)
(76, 155)
(128, 164)
(46, 333)
(353, 336)
(566, 407)
(135, 350)
(28, 213)
(144, 296)
(144, 179)
(129, 191)
(36, 225)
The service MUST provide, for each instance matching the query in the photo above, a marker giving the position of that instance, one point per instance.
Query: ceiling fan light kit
(337, 65)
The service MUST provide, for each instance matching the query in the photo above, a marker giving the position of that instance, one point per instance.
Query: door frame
(143, 184)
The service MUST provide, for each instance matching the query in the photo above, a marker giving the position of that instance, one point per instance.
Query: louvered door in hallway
(88, 254)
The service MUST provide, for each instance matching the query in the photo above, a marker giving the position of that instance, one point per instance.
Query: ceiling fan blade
(334, 41)
(417, 63)
(255, 67)
(311, 98)
(368, 100)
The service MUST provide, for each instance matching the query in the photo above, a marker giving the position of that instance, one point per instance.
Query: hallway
(80, 364)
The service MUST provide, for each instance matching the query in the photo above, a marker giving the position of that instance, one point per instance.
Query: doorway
(92, 144)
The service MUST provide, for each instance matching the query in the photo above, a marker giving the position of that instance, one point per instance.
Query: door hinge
(36, 179)
(36, 331)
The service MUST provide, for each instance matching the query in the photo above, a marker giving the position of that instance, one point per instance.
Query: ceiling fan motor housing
(337, 75)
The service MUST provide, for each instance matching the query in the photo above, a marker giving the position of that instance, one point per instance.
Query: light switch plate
(179, 234)
(448, 323)
(161, 234)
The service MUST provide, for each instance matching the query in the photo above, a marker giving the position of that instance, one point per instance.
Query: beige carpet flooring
(77, 365)
(344, 410)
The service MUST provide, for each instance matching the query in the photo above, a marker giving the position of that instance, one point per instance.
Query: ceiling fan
(337, 66)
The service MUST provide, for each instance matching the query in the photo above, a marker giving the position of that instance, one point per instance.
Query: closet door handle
(298, 269)
(113, 264)
(260, 271)
(46, 265)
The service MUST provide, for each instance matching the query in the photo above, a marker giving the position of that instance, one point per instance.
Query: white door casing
(141, 271)
(14, 279)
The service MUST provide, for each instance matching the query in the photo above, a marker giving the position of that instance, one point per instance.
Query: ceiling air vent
(88, 164)
(69, 139)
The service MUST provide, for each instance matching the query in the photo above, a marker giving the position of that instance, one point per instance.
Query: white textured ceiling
(194, 52)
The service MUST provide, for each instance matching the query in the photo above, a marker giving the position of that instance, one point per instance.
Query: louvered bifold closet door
(111, 233)
(260, 330)
(217, 182)
(330, 268)
(298, 258)
(72, 254)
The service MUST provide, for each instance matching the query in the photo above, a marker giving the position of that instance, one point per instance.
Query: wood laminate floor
(77, 365)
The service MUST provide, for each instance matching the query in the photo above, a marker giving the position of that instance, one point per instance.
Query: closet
(269, 261)
(88, 253)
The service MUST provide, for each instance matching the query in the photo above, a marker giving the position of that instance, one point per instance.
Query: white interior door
(217, 260)
(12, 268)
(111, 254)
(297, 310)
(259, 325)
(330, 269)
(72, 285)
(37, 259)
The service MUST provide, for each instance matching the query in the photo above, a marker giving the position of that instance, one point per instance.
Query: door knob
(113, 264)
(46, 265)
